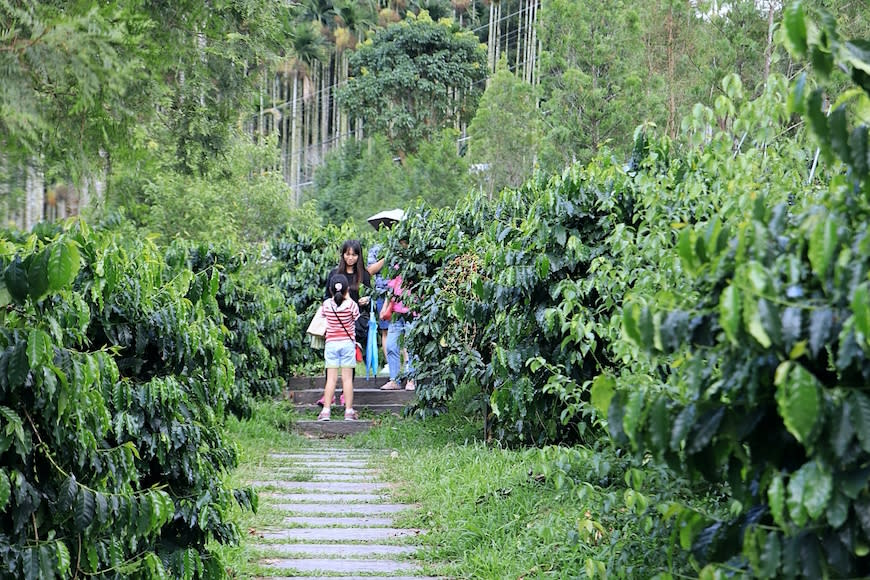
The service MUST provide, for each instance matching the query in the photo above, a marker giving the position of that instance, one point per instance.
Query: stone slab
(319, 475)
(358, 509)
(335, 498)
(361, 396)
(331, 487)
(318, 383)
(339, 534)
(342, 550)
(325, 521)
(326, 467)
(339, 566)
(367, 577)
(325, 457)
(323, 462)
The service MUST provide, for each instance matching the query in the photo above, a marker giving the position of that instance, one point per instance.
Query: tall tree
(591, 77)
(504, 132)
(414, 78)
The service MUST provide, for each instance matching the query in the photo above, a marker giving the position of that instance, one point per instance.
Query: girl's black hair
(338, 288)
(358, 268)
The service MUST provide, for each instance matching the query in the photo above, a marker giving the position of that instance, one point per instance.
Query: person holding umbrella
(385, 219)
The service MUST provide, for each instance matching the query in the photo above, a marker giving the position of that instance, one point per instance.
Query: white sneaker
(410, 386)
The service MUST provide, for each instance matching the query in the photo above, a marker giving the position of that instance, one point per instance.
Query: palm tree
(306, 48)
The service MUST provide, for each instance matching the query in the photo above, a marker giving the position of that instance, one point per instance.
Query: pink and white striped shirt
(340, 319)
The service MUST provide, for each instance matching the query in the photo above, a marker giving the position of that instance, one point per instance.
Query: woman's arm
(376, 267)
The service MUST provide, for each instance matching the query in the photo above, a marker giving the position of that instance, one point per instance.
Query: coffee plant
(114, 382)
(261, 326)
(303, 258)
(767, 368)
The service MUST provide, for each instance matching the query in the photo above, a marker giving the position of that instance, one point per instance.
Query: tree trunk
(294, 152)
(34, 203)
(768, 52)
(325, 109)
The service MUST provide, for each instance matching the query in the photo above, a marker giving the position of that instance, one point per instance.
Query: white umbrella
(386, 218)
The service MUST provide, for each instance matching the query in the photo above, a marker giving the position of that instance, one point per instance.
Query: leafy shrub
(113, 389)
(774, 355)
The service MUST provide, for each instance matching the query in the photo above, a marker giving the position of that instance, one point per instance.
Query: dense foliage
(775, 352)
(114, 383)
(415, 78)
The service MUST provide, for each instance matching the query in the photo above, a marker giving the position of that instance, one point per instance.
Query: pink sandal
(320, 400)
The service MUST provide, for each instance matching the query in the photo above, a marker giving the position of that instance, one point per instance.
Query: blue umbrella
(372, 344)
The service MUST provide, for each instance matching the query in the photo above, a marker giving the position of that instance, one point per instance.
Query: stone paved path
(337, 518)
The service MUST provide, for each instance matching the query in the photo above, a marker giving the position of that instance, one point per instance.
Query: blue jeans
(394, 350)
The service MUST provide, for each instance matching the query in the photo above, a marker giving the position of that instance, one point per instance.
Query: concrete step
(341, 566)
(341, 550)
(346, 509)
(335, 428)
(303, 383)
(339, 534)
(313, 410)
(362, 395)
(333, 487)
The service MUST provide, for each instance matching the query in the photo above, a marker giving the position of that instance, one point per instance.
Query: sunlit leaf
(799, 400)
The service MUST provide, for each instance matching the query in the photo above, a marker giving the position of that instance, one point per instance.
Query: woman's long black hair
(358, 268)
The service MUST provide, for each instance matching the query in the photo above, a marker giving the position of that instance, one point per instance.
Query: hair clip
(338, 285)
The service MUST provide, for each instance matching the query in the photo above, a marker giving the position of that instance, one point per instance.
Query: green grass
(489, 512)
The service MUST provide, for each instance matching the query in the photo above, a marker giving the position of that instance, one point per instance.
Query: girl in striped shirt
(340, 352)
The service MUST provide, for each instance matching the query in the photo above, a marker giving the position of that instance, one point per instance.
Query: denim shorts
(340, 354)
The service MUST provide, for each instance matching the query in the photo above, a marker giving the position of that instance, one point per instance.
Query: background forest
(638, 248)
(196, 118)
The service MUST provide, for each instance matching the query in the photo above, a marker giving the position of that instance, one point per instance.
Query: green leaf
(5, 489)
(682, 424)
(819, 485)
(797, 96)
(630, 315)
(83, 509)
(853, 482)
(823, 244)
(818, 120)
(686, 249)
(63, 264)
(633, 411)
(704, 430)
(659, 426)
(795, 24)
(859, 148)
(796, 510)
(30, 563)
(730, 313)
(5, 296)
(839, 133)
(776, 500)
(842, 431)
(15, 277)
(861, 310)
(40, 351)
(861, 418)
(799, 400)
(754, 325)
(63, 559)
(37, 275)
(838, 510)
(770, 556)
(601, 393)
